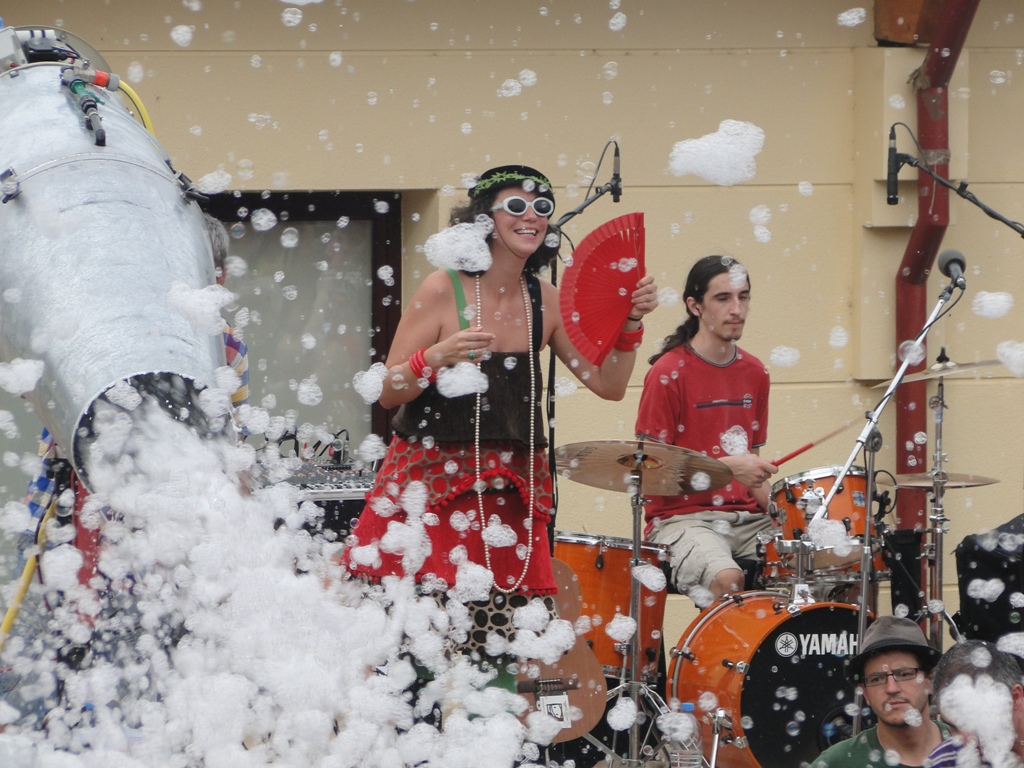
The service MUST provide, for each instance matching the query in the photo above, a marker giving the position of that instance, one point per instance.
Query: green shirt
(861, 751)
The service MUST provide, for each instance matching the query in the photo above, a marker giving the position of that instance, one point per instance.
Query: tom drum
(797, 498)
(602, 564)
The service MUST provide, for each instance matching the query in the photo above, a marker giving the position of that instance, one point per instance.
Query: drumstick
(811, 444)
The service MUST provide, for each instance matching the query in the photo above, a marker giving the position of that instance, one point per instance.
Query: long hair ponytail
(697, 282)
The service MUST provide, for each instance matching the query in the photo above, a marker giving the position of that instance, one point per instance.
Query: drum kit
(763, 668)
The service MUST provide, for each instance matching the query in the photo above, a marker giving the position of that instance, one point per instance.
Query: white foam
(462, 247)
(992, 305)
(20, 376)
(725, 157)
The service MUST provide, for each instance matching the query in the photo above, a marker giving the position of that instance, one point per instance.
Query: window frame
(331, 205)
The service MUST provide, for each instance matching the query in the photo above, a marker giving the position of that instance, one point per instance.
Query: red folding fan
(595, 295)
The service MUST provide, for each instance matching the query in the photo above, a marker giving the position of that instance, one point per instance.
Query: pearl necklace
(479, 485)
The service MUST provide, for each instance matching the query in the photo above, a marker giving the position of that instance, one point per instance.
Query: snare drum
(777, 671)
(602, 564)
(798, 498)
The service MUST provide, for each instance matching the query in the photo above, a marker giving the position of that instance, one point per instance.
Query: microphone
(892, 187)
(616, 180)
(952, 264)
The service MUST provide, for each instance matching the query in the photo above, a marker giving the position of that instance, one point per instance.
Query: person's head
(977, 686)
(716, 296)
(219, 239)
(494, 195)
(894, 670)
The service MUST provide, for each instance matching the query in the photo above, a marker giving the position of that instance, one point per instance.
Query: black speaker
(990, 577)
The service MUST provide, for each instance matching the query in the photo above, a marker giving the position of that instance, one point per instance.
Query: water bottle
(686, 743)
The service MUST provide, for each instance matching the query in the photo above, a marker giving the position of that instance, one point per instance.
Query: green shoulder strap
(460, 299)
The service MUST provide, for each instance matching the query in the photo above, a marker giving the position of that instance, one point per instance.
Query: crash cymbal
(924, 480)
(948, 368)
(665, 470)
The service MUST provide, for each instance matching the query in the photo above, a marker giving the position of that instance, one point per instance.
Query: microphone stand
(873, 416)
(614, 186)
(599, 192)
(872, 446)
(869, 439)
(960, 189)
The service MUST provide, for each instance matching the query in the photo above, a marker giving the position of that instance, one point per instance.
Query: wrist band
(419, 367)
(635, 319)
(629, 341)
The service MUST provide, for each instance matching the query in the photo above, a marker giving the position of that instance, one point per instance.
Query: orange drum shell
(602, 564)
(849, 504)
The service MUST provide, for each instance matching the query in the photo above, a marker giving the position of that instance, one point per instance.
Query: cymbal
(948, 368)
(664, 470)
(924, 480)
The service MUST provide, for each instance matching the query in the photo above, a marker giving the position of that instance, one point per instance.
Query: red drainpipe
(931, 81)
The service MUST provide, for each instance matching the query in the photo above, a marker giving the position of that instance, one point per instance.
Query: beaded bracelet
(629, 341)
(418, 365)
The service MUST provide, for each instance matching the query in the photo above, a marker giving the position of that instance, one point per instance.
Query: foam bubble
(724, 158)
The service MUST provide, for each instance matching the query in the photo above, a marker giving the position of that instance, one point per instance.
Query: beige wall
(823, 94)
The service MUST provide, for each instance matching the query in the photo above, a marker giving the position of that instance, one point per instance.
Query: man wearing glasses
(893, 672)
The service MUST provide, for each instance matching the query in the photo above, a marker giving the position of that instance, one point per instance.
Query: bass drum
(777, 671)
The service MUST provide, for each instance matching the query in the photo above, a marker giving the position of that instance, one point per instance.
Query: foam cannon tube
(91, 242)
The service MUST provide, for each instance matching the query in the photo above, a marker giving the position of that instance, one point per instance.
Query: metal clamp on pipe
(10, 187)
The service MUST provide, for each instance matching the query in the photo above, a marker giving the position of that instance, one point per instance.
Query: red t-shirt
(719, 410)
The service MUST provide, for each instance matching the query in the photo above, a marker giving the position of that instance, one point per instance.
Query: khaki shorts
(704, 543)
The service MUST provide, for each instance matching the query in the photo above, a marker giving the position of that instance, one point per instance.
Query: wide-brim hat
(891, 633)
(492, 181)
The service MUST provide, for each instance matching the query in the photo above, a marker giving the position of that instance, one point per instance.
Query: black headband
(505, 174)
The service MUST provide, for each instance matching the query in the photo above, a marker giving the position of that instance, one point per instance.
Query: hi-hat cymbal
(924, 480)
(664, 470)
(949, 368)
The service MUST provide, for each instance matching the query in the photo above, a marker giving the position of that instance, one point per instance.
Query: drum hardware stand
(939, 521)
(801, 549)
(629, 683)
(720, 721)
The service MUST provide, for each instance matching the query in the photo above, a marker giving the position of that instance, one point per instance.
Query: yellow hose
(139, 106)
(27, 574)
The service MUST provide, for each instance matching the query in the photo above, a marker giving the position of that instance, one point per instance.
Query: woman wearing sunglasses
(481, 456)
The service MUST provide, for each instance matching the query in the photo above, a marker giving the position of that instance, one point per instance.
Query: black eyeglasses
(901, 675)
(517, 206)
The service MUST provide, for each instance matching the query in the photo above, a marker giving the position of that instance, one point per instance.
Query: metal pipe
(94, 243)
(931, 82)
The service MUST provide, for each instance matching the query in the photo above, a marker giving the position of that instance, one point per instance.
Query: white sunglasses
(517, 206)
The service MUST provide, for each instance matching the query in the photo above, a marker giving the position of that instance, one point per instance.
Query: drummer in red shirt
(703, 392)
